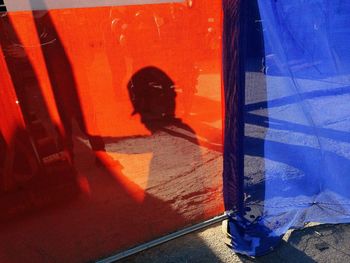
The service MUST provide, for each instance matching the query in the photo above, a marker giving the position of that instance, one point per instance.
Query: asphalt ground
(315, 243)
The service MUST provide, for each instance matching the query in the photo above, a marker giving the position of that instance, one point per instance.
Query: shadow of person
(176, 170)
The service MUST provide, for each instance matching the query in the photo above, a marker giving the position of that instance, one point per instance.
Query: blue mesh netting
(296, 120)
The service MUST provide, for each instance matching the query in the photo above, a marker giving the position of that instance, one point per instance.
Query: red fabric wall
(116, 135)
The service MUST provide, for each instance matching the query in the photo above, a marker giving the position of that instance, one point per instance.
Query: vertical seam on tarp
(234, 105)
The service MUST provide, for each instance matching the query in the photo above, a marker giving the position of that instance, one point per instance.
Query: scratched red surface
(110, 127)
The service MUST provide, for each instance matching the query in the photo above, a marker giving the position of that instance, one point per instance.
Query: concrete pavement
(318, 243)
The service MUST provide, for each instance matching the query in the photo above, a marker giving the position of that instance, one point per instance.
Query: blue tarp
(297, 122)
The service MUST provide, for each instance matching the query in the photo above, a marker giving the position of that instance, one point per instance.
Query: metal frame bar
(164, 239)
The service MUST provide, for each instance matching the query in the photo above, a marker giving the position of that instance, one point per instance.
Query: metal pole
(162, 240)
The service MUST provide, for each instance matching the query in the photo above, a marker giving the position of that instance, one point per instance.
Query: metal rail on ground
(162, 240)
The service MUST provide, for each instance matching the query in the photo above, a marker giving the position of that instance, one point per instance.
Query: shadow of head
(152, 94)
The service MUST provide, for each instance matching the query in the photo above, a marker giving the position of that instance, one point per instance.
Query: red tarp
(111, 127)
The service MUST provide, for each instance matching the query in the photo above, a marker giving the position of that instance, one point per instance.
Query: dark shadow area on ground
(322, 243)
